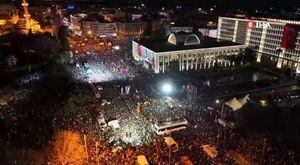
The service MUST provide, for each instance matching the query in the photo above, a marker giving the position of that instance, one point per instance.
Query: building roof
(7, 6)
(162, 45)
(185, 38)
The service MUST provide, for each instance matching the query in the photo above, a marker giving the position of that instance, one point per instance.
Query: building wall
(175, 29)
(144, 55)
(195, 59)
(130, 28)
(96, 29)
(265, 40)
(75, 22)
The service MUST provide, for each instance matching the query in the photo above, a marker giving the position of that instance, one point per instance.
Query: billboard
(135, 16)
(141, 53)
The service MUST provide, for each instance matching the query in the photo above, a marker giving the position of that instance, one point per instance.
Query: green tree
(57, 80)
(76, 103)
(63, 36)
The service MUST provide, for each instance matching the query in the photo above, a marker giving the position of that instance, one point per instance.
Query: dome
(192, 39)
(185, 38)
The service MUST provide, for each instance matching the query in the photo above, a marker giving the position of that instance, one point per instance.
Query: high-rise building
(276, 38)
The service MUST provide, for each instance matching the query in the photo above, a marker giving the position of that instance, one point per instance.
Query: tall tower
(26, 13)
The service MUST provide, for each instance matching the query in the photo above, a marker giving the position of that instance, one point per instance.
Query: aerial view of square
(139, 82)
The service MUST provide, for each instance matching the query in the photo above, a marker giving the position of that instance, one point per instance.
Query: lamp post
(167, 90)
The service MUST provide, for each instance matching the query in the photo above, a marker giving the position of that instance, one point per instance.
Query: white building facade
(98, 29)
(187, 59)
(264, 36)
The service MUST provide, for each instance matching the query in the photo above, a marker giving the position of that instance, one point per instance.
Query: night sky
(226, 4)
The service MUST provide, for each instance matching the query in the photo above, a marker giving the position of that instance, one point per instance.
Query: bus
(166, 127)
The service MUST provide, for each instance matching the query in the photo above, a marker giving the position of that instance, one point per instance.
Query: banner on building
(290, 34)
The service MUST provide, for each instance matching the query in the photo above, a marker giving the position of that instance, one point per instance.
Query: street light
(167, 88)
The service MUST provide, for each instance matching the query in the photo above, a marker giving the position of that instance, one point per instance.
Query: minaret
(26, 13)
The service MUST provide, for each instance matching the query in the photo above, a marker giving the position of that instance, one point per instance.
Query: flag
(138, 108)
(127, 89)
(290, 34)
(139, 50)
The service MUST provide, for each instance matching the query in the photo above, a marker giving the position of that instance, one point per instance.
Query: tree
(34, 49)
(67, 148)
(76, 103)
(249, 56)
(57, 80)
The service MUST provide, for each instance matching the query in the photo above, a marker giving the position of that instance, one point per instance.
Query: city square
(83, 84)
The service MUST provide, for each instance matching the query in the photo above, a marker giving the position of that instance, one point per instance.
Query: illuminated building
(276, 38)
(98, 29)
(8, 18)
(130, 28)
(191, 51)
(76, 21)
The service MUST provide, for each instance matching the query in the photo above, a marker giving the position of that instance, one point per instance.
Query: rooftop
(162, 45)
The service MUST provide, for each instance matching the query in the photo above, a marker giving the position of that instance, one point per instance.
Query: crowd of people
(104, 67)
(136, 136)
(136, 113)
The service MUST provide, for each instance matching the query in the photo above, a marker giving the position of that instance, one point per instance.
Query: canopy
(114, 150)
(142, 160)
(114, 124)
(210, 151)
(170, 141)
(234, 104)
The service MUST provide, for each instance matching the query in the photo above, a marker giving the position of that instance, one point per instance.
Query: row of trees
(25, 140)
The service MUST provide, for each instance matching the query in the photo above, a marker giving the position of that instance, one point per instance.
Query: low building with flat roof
(189, 51)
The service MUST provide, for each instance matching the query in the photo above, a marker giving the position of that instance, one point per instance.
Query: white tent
(234, 104)
(211, 151)
(114, 124)
(142, 160)
(244, 99)
(171, 142)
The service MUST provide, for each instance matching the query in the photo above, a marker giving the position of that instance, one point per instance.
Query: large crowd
(136, 112)
(136, 136)
(104, 67)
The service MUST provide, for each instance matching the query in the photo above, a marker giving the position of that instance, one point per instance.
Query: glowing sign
(71, 6)
(255, 24)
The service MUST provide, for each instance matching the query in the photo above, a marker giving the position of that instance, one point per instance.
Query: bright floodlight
(117, 47)
(167, 88)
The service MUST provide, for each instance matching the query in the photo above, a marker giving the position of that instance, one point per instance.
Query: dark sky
(230, 3)
(204, 3)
